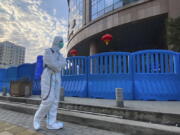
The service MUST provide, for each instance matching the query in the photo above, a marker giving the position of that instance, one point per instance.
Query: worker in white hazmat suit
(50, 86)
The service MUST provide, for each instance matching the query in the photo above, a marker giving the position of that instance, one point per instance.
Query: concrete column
(174, 8)
(84, 12)
(174, 12)
(92, 49)
(87, 11)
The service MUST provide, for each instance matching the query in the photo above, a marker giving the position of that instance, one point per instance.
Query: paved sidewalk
(11, 129)
(20, 121)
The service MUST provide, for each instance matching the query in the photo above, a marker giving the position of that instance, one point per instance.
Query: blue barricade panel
(109, 71)
(26, 71)
(12, 73)
(36, 88)
(156, 75)
(39, 68)
(5, 84)
(143, 75)
(74, 77)
(3, 74)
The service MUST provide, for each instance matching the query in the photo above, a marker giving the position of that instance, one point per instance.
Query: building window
(75, 15)
(101, 7)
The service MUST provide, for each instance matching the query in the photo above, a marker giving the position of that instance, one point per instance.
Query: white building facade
(11, 54)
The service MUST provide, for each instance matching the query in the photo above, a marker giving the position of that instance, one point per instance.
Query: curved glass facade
(101, 7)
(75, 15)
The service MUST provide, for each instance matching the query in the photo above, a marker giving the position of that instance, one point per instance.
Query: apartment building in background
(11, 54)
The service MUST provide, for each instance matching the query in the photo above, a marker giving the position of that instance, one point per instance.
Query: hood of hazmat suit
(57, 43)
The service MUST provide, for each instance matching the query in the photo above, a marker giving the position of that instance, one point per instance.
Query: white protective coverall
(50, 86)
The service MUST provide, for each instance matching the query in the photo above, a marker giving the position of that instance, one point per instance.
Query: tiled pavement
(13, 122)
(11, 129)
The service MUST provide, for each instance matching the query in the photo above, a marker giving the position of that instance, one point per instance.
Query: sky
(33, 24)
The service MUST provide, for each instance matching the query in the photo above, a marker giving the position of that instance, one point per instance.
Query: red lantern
(106, 38)
(73, 52)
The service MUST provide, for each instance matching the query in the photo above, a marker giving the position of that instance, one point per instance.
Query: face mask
(61, 45)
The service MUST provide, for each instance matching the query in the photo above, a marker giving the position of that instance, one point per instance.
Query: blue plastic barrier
(36, 89)
(3, 75)
(109, 71)
(12, 73)
(5, 84)
(1, 86)
(39, 68)
(26, 71)
(74, 77)
(143, 75)
(156, 75)
(178, 64)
